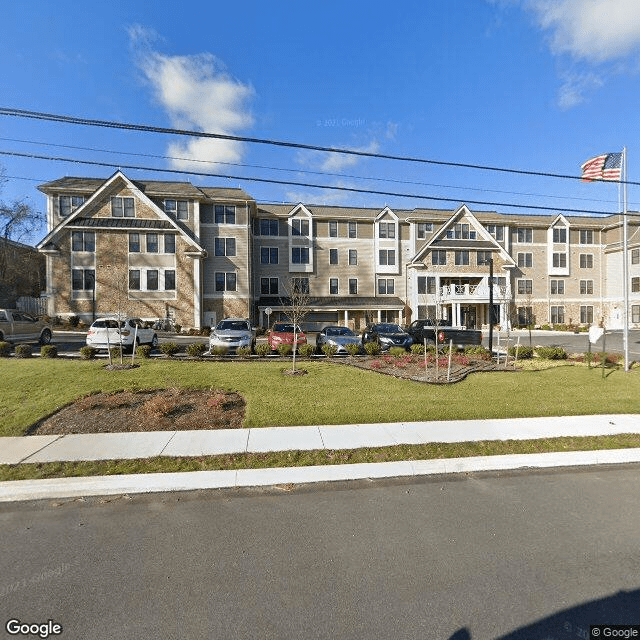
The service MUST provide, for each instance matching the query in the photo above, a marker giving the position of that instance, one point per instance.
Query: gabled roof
(485, 241)
(80, 214)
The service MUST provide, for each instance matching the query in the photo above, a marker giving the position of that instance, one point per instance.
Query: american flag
(607, 166)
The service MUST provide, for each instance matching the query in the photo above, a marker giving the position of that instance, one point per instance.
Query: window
(438, 256)
(268, 286)
(353, 229)
(559, 234)
(300, 255)
(525, 287)
(333, 256)
(586, 236)
(268, 227)
(269, 255)
(423, 229)
(586, 261)
(557, 315)
(483, 257)
(353, 286)
(68, 204)
(635, 285)
(635, 313)
(225, 214)
(635, 256)
(386, 256)
(525, 316)
(333, 229)
(386, 286)
(431, 285)
(586, 314)
(83, 279)
(586, 287)
(225, 281)
(301, 285)
(524, 234)
(122, 207)
(169, 280)
(525, 259)
(299, 227)
(422, 285)
(461, 257)
(386, 229)
(426, 285)
(461, 231)
(333, 286)
(152, 243)
(557, 287)
(178, 209)
(152, 279)
(353, 256)
(560, 260)
(170, 243)
(83, 241)
(496, 231)
(134, 243)
(134, 279)
(227, 247)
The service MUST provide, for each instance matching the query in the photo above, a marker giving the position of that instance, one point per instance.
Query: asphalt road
(535, 556)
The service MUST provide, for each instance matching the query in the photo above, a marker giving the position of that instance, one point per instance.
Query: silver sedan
(338, 337)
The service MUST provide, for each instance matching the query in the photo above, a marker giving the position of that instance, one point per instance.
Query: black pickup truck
(421, 329)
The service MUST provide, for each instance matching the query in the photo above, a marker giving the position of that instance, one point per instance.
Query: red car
(282, 333)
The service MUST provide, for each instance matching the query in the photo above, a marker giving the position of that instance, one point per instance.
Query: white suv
(106, 332)
(232, 334)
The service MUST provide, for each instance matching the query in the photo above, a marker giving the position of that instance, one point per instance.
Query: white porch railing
(474, 292)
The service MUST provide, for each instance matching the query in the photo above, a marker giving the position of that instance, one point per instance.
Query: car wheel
(45, 337)
(154, 341)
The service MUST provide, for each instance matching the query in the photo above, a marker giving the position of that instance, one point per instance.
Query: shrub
(376, 364)
(243, 352)
(219, 351)
(306, 350)
(329, 350)
(262, 349)
(397, 352)
(23, 350)
(561, 327)
(205, 331)
(417, 349)
(49, 351)
(353, 349)
(551, 353)
(546, 327)
(88, 353)
(372, 348)
(5, 349)
(196, 349)
(73, 321)
(285, 349)
(169, 348)
(144, 351)
(178, 327)
(524, 352)
(475, 350)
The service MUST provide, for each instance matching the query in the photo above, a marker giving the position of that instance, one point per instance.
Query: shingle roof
(121, 223)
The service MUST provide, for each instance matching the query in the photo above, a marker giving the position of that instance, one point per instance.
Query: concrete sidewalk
(111, 446)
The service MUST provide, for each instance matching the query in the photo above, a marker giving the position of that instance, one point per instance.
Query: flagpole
(625, 264)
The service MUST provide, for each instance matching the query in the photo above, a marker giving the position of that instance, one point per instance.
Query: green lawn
(330, 394)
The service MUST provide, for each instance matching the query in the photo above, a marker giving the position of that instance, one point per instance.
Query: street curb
(23, 490)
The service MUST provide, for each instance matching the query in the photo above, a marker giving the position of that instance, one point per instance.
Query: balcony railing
(473, 291)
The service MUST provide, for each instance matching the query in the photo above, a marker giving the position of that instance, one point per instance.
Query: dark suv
(386, 335)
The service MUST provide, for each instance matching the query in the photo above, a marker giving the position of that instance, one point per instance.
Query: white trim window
(151, 279)
(557, 315)
(439, 257)
(497, 231)
(559, 235)
(559, 260)
(268, 286)
(353, 257)
(268, 255)
(299, 227)
(525, 287)
(68, 204)
(462, 257)
(225, 213)
(269, 227)
(334, 288)
(83, 279)
(557, 287)
(122, 207)
(134, 243)
(386, 257)
(423, 229)
(177, 209)
(386, 286)
(586, 260)
(225, 247)
(299, 255)
(169, 243)
(387, 230)
(353, 229)
(152, 243)
(586, 314)
(586, 287)
(586, 236)
(226, 281)
(333, 256)
(333, 228)
(353, 286)
(83, 241)
(524, 235)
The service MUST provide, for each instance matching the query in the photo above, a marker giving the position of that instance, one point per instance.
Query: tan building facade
(199, 254)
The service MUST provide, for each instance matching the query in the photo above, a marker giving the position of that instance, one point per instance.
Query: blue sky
(539, 85)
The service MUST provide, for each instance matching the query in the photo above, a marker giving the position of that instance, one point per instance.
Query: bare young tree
(296, 307)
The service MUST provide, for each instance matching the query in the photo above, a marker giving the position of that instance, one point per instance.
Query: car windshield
(339, 331)
(388, 328)
(106, 324)
(235, 325)
(281, 327)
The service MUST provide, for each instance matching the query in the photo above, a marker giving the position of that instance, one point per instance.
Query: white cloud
(575, 86)
(198, 95)
(334, 162)
(591, 30)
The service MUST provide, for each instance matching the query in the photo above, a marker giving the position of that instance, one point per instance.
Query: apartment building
(199, 254)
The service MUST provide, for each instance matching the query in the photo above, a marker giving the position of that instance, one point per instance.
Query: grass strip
(163, 464)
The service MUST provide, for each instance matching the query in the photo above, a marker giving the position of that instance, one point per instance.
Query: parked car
(338, 337)
(233, 333)
(106, 332)
(17, 325)
(283, 333)
(420, 330)
(386, 335)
